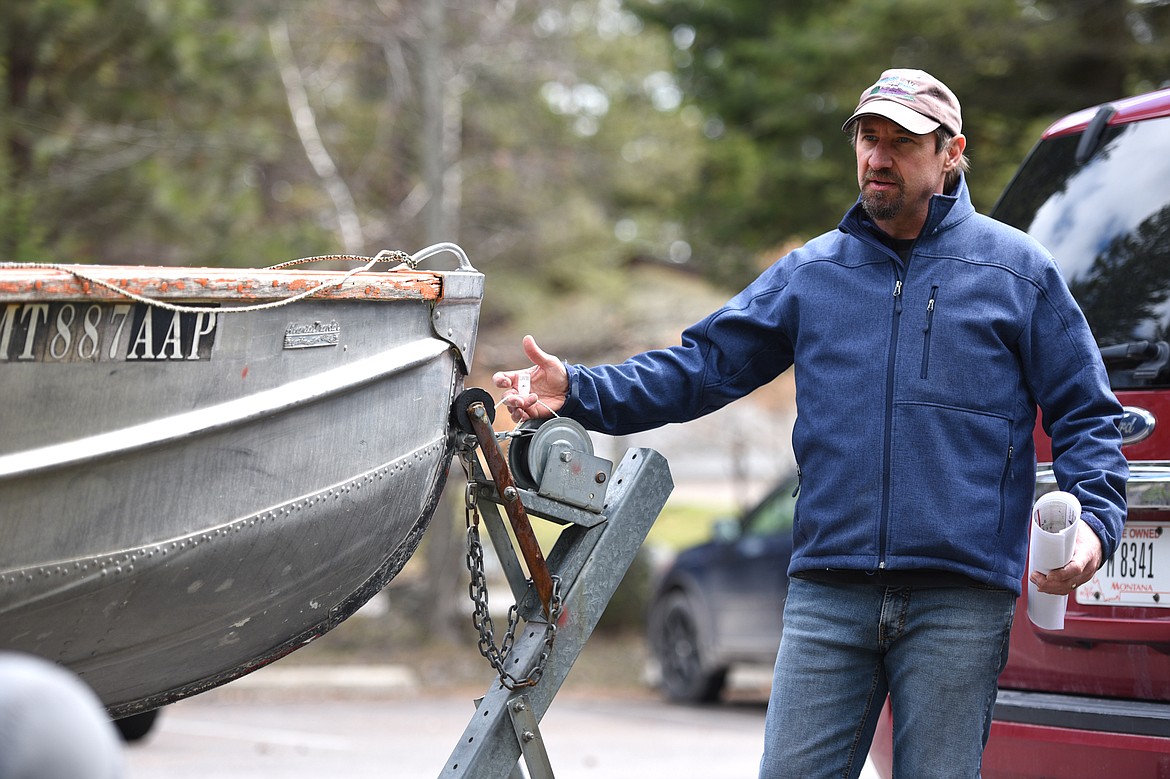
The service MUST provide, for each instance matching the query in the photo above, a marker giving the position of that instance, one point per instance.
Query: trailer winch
(551, 473)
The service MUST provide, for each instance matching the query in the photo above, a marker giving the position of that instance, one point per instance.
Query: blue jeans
(937, 652)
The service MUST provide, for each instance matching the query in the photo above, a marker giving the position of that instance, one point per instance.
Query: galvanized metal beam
(527, 732)
(591, 562)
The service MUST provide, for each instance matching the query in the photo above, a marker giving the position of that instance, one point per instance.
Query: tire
(686, 675)
(136, 726)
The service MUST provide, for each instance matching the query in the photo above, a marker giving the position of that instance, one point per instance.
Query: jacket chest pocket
(926, 331)
(966, 337)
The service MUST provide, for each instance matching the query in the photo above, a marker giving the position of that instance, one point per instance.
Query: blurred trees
(128, 130)
(211, 132)
(775, 79)
(555, 141)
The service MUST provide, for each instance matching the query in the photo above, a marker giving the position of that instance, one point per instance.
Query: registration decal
(104, 332)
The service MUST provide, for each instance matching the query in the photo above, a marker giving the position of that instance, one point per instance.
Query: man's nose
(879, 157)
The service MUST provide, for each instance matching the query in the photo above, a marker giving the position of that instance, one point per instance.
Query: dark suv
(720, 603)
(1093, 699)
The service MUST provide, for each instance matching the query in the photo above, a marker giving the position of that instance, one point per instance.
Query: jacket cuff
(571, 403)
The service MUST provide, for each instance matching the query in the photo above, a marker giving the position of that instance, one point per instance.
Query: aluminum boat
(203, 469)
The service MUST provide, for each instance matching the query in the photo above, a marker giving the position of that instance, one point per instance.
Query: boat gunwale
(34, 282)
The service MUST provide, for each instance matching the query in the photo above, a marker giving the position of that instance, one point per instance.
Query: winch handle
(478, 417)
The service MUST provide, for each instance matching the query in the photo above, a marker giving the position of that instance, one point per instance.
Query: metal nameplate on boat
(298, 336)
(103, 332)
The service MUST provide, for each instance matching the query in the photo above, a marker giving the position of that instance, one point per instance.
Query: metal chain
(481, 618)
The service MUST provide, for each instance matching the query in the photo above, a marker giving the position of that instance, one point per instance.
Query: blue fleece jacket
(917, 385)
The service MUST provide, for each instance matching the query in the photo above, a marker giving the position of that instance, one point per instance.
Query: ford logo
(1135, 425)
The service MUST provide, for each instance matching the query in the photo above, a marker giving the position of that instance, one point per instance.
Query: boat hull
(171, 524)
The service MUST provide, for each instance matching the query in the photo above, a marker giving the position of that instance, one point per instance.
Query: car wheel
(686, 677)
(136, 726)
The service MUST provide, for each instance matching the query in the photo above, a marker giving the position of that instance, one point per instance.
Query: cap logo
(895, 87)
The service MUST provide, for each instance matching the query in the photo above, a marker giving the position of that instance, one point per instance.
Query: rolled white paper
(1055, 517)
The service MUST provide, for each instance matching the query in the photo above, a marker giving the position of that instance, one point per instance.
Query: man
(924, 337)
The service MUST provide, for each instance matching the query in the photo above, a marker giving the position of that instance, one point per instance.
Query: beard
(882, 206)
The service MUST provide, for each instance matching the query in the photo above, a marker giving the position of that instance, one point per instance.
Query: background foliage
(775, 80)
(555, 141)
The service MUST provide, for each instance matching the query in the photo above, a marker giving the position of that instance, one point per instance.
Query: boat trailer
(551, 473)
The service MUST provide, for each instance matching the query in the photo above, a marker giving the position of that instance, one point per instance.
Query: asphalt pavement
(359, 722)
(412, 736)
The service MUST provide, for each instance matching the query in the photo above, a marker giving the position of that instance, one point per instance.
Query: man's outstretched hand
(547, 385)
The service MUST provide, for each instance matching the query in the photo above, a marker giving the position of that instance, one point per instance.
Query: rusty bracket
(513, 507)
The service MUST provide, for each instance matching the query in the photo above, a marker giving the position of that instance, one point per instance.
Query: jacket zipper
(889, 421)
(926, 331)
(1003, 481)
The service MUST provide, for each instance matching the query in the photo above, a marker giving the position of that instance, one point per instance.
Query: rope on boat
(386, 255)
(382, 256)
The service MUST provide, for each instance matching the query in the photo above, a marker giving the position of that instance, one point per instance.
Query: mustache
(882, 175)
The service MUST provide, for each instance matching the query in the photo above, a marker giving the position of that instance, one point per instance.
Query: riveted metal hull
(176, 514)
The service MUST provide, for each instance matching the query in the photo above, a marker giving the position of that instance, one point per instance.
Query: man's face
(898, 172)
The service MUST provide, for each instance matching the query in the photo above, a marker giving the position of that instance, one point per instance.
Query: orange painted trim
(243, 285)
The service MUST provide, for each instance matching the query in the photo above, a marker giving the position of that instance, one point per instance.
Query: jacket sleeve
(723, 357)
(1079, 410)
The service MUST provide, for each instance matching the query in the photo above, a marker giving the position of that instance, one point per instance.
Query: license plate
(1138, 574)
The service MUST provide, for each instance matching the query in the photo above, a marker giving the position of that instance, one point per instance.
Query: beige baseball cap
(913, 99)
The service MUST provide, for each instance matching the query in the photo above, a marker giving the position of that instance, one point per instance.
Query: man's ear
(954, 152)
